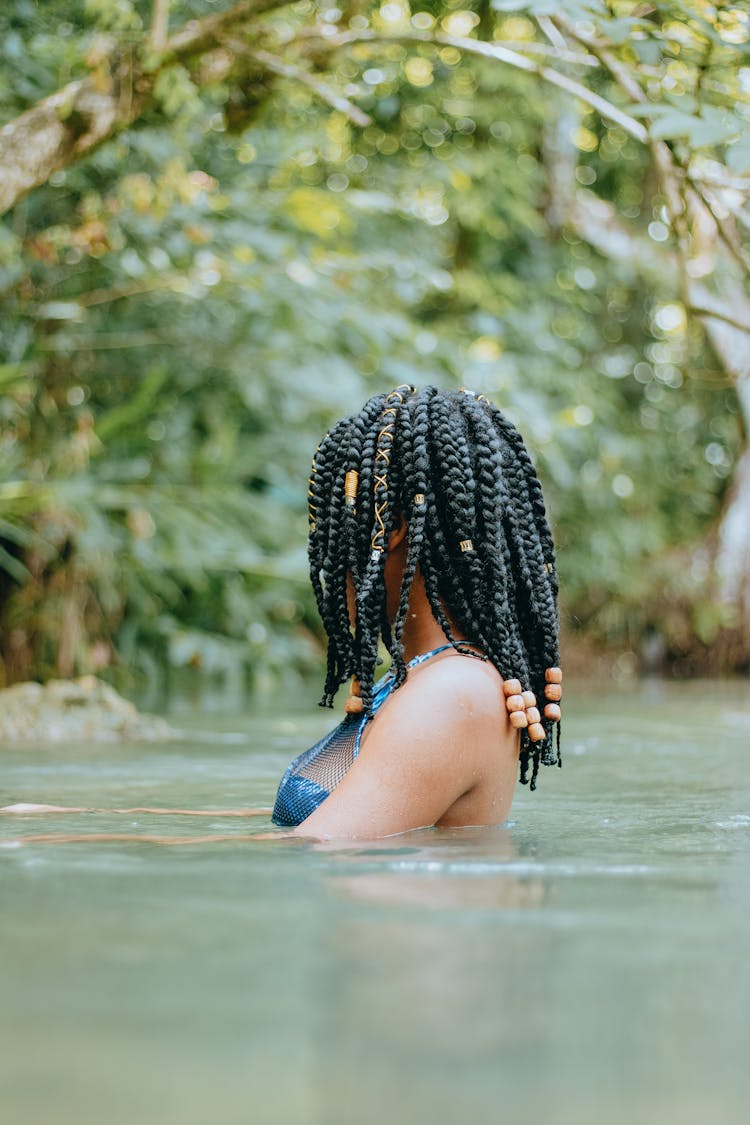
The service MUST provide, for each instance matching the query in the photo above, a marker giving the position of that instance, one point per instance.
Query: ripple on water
(740, 820)
(522, 867)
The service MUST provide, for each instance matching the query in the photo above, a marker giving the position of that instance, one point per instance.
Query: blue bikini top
(315, 773)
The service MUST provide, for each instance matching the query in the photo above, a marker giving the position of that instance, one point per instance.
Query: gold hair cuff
(351, 481)
(466, 545)
(473, 394)
(418, 499)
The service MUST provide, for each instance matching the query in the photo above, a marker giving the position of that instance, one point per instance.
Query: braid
(493, 544)
(319, 491)
(371, 590)
(457, 477)
(412, 508)
(541, 585)
(333, 572)
(416, 500)
(456, 470)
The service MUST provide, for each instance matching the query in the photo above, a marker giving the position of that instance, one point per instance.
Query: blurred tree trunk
(733, 553)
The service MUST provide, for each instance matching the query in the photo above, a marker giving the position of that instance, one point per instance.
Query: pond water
(587, 962)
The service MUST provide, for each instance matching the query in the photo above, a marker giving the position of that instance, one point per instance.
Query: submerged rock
(86, 709)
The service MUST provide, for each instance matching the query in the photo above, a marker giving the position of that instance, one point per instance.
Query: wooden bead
(518, 719)
(536, 732)
(553, 692)
(553, 675)
(532, 714)
(528, 698)
(515, 703)
(353, 705)
(553, 712)
(356, 688)
(512, 687)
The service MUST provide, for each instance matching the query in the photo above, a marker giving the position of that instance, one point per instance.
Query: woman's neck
(422, 632)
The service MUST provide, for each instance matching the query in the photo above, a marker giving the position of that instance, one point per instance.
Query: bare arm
(24, 809)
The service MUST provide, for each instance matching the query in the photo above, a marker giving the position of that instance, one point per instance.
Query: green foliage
(185, 312)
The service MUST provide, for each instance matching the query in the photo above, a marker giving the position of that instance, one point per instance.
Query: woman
(428, 533)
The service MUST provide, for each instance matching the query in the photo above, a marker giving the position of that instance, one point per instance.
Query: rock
(86, 709)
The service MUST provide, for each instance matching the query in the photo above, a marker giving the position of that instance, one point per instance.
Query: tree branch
(496, 51)
(668, 167)
(199, 36)
(73, 121)
(724, 317)
(731, 243)
(325, 92)
(597, 222)
(160, 24)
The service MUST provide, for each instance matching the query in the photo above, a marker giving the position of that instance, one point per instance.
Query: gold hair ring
(466, 545)
(473, 394)
(351, 482)
(418, 499)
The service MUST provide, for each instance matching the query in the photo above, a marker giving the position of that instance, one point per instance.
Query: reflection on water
(415, 877)
(587, 962)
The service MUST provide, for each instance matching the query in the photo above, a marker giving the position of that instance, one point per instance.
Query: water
(590, 962)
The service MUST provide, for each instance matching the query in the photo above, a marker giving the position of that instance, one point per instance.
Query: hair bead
(512, 687)
(518, 719)
(515, 703)
(537, 732)
(553, 692)
(351, 482)
(553, 675)
(552, 712)
(466, 545)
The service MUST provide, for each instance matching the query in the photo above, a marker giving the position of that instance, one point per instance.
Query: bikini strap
(426, 655)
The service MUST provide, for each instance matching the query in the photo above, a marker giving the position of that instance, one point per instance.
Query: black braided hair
(457, 471)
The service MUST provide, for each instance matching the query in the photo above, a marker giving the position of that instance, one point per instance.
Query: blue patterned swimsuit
(315, 773)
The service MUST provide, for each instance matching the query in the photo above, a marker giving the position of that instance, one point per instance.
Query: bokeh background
(225, 225)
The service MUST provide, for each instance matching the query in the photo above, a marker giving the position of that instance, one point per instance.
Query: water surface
(588, 962)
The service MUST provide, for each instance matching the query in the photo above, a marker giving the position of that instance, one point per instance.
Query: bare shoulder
(443, 700)
(458, 681)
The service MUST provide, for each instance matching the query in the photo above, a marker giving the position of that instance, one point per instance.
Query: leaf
(13, 566)
(14, 373)
(714, 126)
(574, 9)
(649, 50)
(618, 31)
(738, 155)
(22, 536)
(133, 409)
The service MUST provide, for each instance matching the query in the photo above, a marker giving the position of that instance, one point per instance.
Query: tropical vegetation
(227, 224)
